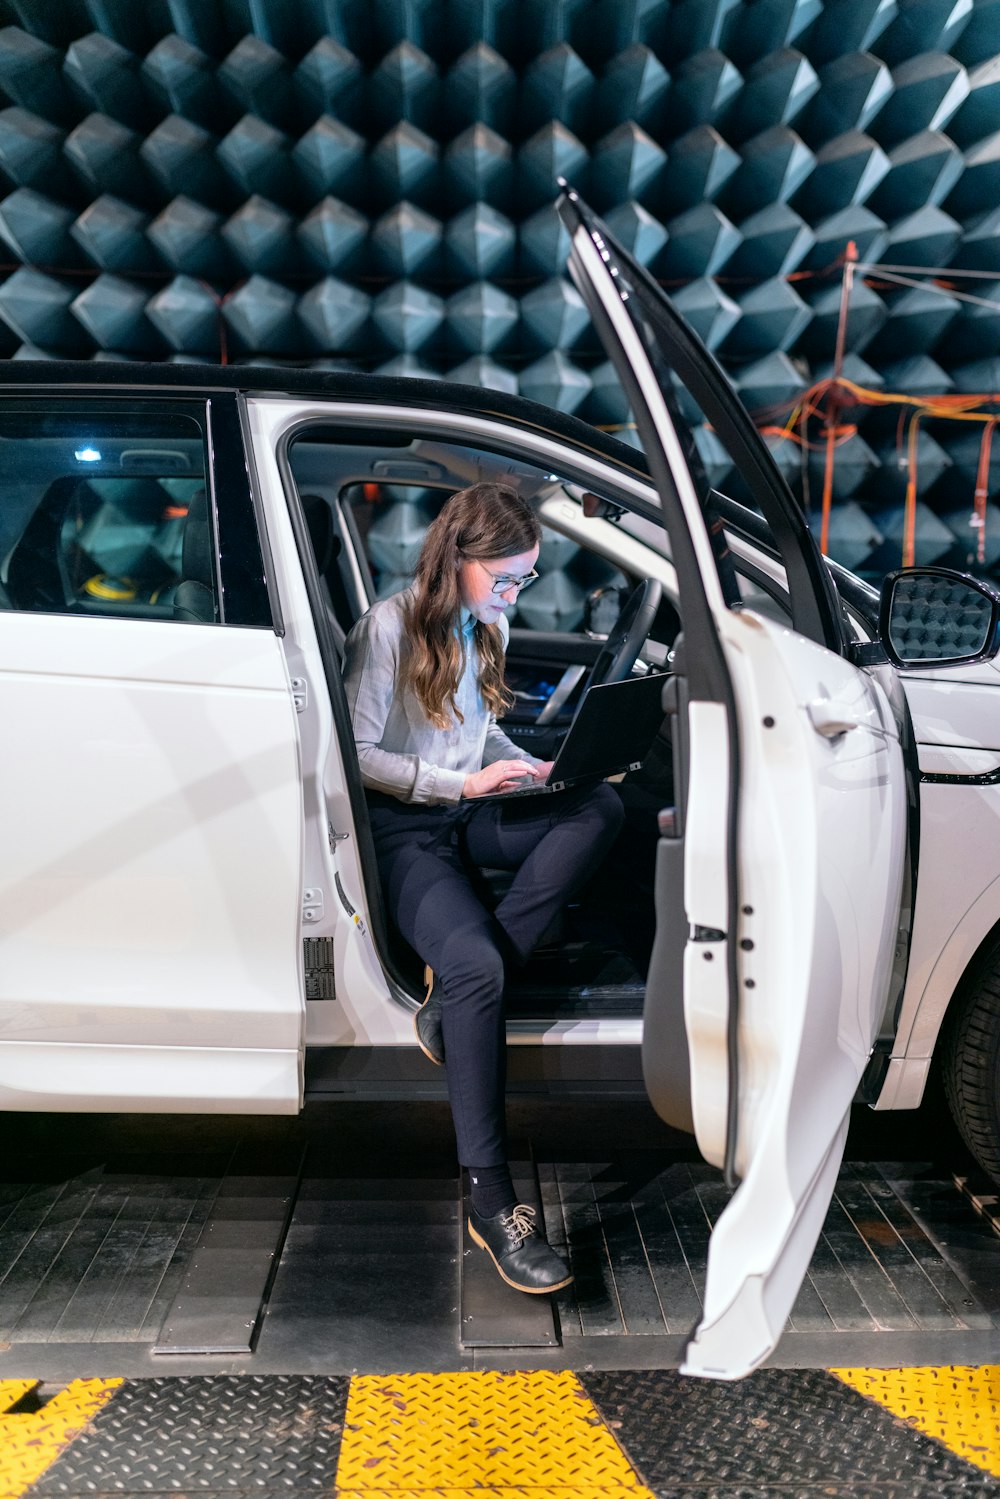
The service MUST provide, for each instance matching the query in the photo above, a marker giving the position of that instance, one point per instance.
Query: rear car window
(105, 510)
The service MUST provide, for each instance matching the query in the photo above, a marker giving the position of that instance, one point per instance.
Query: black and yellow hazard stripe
(32, 1438)
(957, 1405)
(470, 1431)
(505, 1435)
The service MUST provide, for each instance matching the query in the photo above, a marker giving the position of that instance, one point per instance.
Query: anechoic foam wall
(370, 183)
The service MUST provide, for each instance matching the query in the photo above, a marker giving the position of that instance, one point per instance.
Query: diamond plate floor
(490, 1435)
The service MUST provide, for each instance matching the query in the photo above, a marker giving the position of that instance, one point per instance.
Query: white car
(190, 917)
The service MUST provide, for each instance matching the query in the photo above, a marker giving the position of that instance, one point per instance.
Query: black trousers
(426, 857)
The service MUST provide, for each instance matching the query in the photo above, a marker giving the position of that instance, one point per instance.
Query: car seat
(194, 595)
(327, 548)
(35, 579)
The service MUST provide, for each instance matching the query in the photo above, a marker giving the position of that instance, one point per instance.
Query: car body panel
(818, 815)
(957, 907)
(152, 854)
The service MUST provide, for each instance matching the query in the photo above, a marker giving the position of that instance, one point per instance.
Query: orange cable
(910, 503)
(981, 492)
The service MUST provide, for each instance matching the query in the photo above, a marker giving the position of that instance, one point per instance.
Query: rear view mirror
(930, 616)
(596, 508)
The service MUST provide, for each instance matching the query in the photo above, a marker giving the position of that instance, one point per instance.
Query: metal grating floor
(893, 1256)
(97, 1257)
(369, 1274)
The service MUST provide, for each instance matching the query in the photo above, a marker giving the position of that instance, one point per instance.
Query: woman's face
(480, 583)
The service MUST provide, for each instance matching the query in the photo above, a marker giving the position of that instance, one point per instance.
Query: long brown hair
(482, 522)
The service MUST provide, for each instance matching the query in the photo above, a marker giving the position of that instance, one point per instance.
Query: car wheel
(971, 1066)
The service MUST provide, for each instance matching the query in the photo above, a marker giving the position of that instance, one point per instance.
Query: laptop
(613, 731)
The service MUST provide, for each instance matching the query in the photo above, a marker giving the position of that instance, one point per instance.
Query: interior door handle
(830, 718)
(560, 693)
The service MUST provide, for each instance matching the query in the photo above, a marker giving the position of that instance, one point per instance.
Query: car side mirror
(931, 616)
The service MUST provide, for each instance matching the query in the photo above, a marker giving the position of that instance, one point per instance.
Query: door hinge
(333, 837)
(300, 693)
(312, 904)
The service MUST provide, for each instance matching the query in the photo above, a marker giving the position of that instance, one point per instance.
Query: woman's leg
(554, 843)
(436, 909)
(438, 912)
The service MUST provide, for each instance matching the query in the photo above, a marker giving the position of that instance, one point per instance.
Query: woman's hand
(502, 775)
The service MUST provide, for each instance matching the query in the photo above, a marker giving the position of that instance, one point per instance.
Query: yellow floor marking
(565, 1490)
(957, 1406)
(503, 1435)
(13, 1390)
(30, 1443)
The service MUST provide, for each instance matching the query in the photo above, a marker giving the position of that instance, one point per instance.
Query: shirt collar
(466, 623)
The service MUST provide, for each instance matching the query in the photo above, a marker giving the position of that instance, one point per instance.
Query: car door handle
(563, 688)
(830, 718)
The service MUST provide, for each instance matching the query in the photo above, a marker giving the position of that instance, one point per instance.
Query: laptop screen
(614, 728)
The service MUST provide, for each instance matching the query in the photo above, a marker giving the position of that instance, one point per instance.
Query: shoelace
(520, 1224)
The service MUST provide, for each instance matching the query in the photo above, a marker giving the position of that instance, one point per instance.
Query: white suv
(190, 917)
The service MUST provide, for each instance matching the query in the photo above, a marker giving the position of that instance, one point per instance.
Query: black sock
(492, 1189)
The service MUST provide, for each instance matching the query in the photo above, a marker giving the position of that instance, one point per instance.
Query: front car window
(367, 529)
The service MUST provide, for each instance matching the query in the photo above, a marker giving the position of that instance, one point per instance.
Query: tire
(971, 1065)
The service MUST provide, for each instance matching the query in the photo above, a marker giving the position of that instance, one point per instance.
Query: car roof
(268, 380)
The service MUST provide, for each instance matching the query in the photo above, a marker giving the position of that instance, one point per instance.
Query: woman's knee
(605, 805)
(472, 972)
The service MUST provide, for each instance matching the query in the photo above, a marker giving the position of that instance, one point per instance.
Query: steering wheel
(620, 651)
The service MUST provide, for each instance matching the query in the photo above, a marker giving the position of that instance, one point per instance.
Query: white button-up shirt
(399, 749)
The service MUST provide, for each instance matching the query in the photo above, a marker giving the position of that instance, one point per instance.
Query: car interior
(115, 525)
(367, 506)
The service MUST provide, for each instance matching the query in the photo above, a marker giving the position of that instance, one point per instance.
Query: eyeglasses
(503, 582)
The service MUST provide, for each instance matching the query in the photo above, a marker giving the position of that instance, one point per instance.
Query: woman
(424, 679)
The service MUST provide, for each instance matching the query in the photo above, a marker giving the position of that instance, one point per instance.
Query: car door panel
(821, 827)
(153, 849)
(793, 819)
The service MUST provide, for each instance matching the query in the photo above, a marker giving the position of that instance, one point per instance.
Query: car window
(366, 529)
(391, 520)
(104, 510)
(721, 446)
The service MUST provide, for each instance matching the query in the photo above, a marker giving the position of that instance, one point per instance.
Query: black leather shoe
(520, 1252)
(427, 1021)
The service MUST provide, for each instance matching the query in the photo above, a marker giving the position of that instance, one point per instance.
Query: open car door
(779, 873)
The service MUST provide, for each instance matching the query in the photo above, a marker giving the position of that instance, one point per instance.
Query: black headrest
(197, 555)
(34, 577)
(322, 532)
